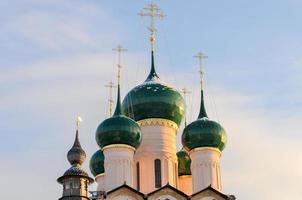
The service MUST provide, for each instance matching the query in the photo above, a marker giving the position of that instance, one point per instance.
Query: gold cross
(152, 12)
(119, 49)
(200, 56)
(110, 85)
(185, 91)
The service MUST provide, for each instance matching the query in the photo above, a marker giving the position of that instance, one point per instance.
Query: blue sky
(56, 58)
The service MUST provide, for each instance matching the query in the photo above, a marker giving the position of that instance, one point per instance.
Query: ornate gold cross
(152, 11)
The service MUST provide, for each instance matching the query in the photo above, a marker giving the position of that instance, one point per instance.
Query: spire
(152, 75)
(118, 108)
(76, 155)
(202, 112)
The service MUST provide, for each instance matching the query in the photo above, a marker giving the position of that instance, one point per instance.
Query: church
(137, 157)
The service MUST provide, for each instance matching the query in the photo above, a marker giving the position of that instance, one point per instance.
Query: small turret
(75, 180)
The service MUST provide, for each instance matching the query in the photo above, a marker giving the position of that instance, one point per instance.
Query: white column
(118, 165)
(158, 142)
(205, 168)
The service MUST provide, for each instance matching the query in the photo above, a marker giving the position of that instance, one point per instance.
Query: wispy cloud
(50, 72)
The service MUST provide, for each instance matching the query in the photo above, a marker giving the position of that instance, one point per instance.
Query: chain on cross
(200, 56)
(152, 11)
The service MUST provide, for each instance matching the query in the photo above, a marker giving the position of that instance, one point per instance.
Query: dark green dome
(154, 99)
(96, 163)
(204, 132)
(184, 163)
(118, 129)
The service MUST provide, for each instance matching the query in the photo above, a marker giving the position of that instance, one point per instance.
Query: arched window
(157, 170)
(137, 176)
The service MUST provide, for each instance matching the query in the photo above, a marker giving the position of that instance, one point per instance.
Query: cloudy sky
(56, 58)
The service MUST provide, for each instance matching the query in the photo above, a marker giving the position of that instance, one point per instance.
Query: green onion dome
(118, 129)
(96, 163)
(184, 163)
(154, 99)
(204, 132)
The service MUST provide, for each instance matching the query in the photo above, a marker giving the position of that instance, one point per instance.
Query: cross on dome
(200, 56)
(152, 11)
(119, 49)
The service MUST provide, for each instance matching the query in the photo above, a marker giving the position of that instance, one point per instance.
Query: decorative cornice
(157, 121)
(205, 148)
(118, 146)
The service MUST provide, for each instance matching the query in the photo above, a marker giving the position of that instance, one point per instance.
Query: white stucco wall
(205, 168)
(100, 180)
(159, 142)
(118, 166)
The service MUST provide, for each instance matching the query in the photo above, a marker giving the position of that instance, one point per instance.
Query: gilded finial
(78, 121)
(185, 92)
(110, 85)
(119, 49)
(152, 11)
(200, 56)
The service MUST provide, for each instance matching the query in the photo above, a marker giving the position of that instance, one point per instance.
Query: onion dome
(184, 163)
(118, 129)
(204, 132)
(96, 164)
(154, 99)
(76, 157)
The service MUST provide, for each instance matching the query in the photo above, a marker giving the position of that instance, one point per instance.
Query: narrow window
(157, 169)
(137, 176)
